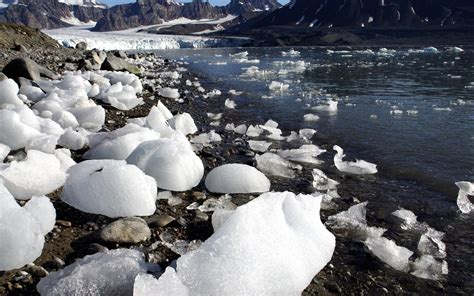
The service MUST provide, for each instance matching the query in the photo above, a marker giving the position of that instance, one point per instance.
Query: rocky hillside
(23, 38)
(370, 13)
(49, 14)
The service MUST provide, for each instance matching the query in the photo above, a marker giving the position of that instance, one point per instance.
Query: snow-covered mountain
(357, 13)
(47, 14)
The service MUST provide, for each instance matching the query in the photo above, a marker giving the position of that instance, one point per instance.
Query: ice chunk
(120, 143)
(306, 133)
(259, 146)
(89, 117)
(322, 182)
(389, 252)
(358, 167)
(430, 49)
(254, 131)
(121, 97)
(33, 93)
(13, 132)
(158, 122)
(64, 157)
(275, 165)
(353, 223)
(164, 110)
(427, 267)
(305, 154)
(230, 104)
(183, 123)
(409, 218)
(311, 117)
(43, 143)
(463, 202)
(170, 93)
(207, 138)
(9, 93)
(72, 140)
(168, 284)
(236, 178)
(431, 243)
(111, 188)
(22, 238)
(41, 208)
(214, 116)
(37, 175)
(173, 164)
(105, 273)
(241, 129)
(253, 246)
(330, 106)
(278, 86)
(223, 203)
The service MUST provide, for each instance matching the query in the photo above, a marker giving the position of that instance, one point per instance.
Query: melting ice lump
(388, 251)
(358, 167)
(428, 267)
(13, 132)
(105, 273)
(237, 178)
(111, 188)
(183, 123)
(275, 165)
(38, 174)
(171, 162)
(463, 202)
(22, 230)
(274, 245)
(170, 93)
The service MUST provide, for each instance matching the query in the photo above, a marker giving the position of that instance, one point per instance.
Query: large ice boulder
(183, 123)
(237, 178)
(41, 208)
(105, 273)
(120, 143)
(38, 174)
(111, 188)
(171, 162)
(274, 245)
(9, 93)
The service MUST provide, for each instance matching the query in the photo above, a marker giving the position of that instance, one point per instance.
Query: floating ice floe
(120, 143)
(236, 178)
(353, 223)
(22, 229)
(330, 107)
(389, 252)
(311, 117)
(171, 162)
(233, 92)
(305, 154)
(455, 49)
(111, 188)
(463, 202)
(275, 165)
(38, 174)
(409, 218)
(358, 167)
(250, 246)
(105, 273)
(214, 116)
(230, 104)
(291, 53)
(278, 86)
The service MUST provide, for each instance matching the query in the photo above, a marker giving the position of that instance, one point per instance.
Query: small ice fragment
(358, 167)
(389, 252)
(230, 104)
(311, 117)
(259, 146)
(278, 86)
(427, 267)
(463, 202)
(275, 165)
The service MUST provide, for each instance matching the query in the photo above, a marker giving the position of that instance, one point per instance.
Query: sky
(215, 2)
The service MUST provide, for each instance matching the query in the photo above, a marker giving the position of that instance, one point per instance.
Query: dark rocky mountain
(50, 14)
(149, 12)
(370, 13)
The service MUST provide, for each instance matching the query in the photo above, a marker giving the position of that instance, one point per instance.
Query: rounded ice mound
(38, 174)
(111, 188)
(105, 273)
(237, 178)
(41, 208)
(273, 245)
(171, 162)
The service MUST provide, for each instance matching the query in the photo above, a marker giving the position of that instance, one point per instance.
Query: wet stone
(128, 231)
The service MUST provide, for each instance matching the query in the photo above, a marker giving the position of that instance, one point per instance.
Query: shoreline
(352, 270)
